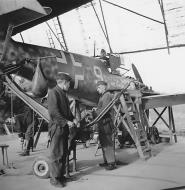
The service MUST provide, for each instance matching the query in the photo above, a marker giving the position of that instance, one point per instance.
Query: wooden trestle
(165, 102)
(129, 111)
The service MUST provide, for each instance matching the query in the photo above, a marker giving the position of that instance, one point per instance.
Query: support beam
(173, 125)
(100, 24)
(165, 26)
(151, 49)
(108, 40)
(170, 124)
(134, 12)
(160, 117)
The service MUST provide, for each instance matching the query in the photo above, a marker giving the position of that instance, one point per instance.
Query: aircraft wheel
(41, 167)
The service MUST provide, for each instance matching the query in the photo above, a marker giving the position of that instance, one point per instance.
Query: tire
(41, 168)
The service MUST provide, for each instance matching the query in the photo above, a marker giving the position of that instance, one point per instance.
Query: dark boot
(119, 163)
(66, 179)
(2, 172)
(57, 183)
(111, 166)
(25, 153)
(104, 164)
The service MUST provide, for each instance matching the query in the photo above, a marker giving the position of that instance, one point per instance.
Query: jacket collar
(103, 93)
(60, 90)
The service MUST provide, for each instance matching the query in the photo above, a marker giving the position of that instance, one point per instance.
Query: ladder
(133, 118)
(50, 39)
(60, 33)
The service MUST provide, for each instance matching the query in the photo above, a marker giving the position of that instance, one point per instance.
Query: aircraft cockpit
(111, 61)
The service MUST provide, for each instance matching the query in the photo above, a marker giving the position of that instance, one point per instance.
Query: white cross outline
(62, 59)
(77, 76)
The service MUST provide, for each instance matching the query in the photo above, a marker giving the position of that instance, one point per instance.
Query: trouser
(107, 144)
(58, 150)
(106, 137)
(29, 137)
(19, 124)
(28, 144)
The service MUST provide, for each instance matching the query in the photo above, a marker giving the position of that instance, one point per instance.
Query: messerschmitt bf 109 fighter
(40, 65)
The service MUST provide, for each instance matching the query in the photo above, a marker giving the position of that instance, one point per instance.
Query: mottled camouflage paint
(85, 71)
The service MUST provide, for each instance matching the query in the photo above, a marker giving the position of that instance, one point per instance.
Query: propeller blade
(136, 73)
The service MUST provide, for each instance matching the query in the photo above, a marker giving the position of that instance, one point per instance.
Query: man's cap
(63, 76)
(101, 82)
(103, 51)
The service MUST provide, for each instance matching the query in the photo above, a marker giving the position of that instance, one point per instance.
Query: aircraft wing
(150, 102)
(58, 7)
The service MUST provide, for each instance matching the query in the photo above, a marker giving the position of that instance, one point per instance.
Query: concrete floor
(165, 170)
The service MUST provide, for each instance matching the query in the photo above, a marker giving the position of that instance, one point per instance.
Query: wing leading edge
(150, 102)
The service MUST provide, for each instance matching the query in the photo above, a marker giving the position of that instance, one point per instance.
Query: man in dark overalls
(28, 126)
(61, 119)
(106, 127)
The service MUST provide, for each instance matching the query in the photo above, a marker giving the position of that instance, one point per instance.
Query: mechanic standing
(105, 127)
(61, 119)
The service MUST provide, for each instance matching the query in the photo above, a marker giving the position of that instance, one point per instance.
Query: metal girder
(165, 25)
(134, 12)
(151, 49)
(156, 101)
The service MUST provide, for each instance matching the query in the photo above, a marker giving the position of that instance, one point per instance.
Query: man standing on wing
(105, 127)
(61, 119)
